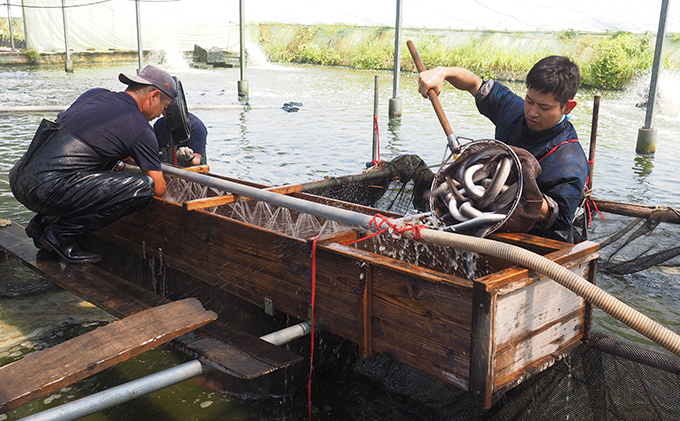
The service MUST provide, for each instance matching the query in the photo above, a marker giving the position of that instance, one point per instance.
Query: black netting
(599, 380)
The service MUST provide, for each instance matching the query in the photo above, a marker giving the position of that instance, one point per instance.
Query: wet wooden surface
(227, 349)
(422, 316)
(39, 374)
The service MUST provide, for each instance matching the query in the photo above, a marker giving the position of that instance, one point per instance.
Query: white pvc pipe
(288, 334)
(120, 394)
(151, 383)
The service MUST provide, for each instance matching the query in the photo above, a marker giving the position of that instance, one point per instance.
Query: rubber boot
(67, 247)
(35, 229)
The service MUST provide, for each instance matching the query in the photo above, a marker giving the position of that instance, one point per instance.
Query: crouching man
(66, 176)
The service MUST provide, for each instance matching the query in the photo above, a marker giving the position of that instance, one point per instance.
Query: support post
(593, 139)
(242, 83)
(23, 18)
(375, 157)
(646, 141)
(395, 101)
(68, 65)
(9, 24)
(140, 51)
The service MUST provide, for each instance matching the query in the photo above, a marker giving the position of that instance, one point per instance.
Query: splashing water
(668, 93)
(256, 57)
(261, 214)
(172, 59)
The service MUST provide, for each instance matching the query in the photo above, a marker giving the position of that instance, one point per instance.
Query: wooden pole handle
(432, 94)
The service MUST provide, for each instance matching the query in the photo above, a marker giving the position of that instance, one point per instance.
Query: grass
(606, 62)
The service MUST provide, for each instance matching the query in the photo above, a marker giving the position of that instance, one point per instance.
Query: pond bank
(607, 60)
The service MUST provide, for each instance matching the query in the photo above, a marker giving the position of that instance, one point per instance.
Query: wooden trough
(476, 322)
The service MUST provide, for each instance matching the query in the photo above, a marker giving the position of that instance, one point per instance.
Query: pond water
(329, 136)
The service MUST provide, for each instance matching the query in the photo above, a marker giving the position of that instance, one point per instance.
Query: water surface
(329, 136)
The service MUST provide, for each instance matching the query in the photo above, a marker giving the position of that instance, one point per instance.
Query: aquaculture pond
(329, 135)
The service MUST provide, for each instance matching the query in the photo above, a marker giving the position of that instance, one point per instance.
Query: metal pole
(149, 384)
(395, 101)
(242, 83)
(121, 394)
(140, 51)
(68, 65)
(23, 18)
(376, 145)
(646, 142)
(329, 212)
(9, 24)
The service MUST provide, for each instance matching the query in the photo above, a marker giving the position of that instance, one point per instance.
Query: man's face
(155, 104)
(542, 111)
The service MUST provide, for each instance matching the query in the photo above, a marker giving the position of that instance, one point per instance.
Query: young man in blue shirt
(538, 124)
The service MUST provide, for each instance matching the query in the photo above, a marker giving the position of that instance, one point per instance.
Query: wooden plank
(665, 214)
(203, 169)
(122, 298)
(567, 256)
(515, 361)
(44, 372)
(538, 245)
(226, 199)
(367, 315)
(398, 265)
(227, 254)
(482, 348)
(422, 324)
(432, 355)
(526, 310)
(591, 275)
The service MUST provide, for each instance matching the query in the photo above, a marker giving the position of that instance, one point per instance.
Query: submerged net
(635, 244)
(600, 380)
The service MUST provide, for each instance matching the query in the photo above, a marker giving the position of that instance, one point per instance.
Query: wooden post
(482, 347)
(593, 139)
(366, 341)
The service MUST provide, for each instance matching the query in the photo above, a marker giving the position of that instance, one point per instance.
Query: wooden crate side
(431, 356)
(533, 323)
(540, 350)
(420, 323)
(246, 261)
(249, 262)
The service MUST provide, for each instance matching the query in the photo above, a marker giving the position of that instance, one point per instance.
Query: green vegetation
(606, 61)
(31, 54)
(618, 60)
(17, 31)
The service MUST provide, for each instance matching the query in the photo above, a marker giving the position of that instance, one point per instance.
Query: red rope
(555, 148)
(590, 216)
(390, 225)
(311, 355)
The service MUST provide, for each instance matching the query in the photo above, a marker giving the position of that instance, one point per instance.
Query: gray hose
(599, 298)
(610, 305)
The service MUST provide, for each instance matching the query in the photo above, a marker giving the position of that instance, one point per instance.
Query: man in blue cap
(66, 176)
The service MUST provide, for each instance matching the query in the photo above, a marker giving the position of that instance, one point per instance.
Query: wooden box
(479, 323)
